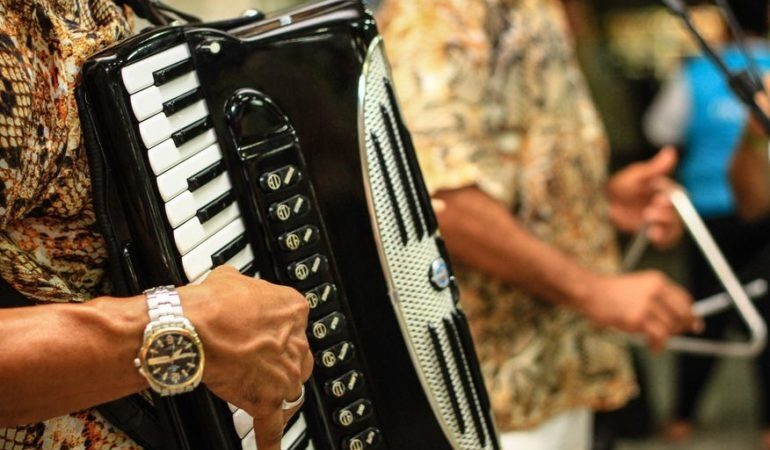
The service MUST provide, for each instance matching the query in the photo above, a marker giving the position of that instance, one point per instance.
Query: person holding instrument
(243, 338)
(697, 110)
(515, 156)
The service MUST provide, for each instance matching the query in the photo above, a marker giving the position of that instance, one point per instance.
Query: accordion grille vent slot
(408, 252)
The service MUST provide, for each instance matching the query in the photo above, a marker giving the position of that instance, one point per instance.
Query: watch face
(173, 358)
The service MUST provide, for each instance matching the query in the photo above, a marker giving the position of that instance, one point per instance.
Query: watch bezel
(158, 332)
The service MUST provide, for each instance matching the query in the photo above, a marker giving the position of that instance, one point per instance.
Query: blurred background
(627, 49)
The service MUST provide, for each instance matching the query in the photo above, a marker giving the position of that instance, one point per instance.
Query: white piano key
(239, 261)
(160, 127)
(138, 75)
(148, 102)
(193, 232)
(243, 423)
(198, 261)
(174, 181)
(184, 206)
(289, 437)
(294, 433)
(167, 155)
(249, 442)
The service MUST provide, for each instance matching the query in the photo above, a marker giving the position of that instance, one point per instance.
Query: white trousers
(571, 430)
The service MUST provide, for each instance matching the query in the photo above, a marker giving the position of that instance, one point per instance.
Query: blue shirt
(717, 120)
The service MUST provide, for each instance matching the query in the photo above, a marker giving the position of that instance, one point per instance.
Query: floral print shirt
(50, 250)
(494, 99)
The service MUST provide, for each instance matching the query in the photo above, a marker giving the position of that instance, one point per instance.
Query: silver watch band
(164, 305)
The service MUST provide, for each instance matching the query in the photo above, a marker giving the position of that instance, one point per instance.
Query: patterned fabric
(49, 247)
(494, 98)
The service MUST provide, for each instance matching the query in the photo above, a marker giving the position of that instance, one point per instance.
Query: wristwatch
(171, 357)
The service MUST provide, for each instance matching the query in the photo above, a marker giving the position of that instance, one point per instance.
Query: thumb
(662, 164)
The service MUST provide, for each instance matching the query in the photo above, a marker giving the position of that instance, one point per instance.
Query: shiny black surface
(280, 95)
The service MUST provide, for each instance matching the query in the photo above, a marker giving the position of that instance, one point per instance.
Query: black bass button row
(321, 295)
(369, 439)
(280, 179)
(346, 385)
(336, 355)
(308, 268)
(354, 413)
(329, 326)
(289, 209)
(298, 239)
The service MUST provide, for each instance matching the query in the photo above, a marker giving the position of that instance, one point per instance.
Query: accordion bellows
(276, 145)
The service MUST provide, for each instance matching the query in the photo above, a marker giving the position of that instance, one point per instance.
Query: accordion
(275, 144)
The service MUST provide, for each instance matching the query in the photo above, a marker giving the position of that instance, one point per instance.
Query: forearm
(56, 359)
(481, 233)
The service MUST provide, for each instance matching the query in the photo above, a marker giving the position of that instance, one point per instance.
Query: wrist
(122, 323)
(583, 291)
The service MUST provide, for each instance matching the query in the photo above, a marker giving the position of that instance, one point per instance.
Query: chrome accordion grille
(408, 253)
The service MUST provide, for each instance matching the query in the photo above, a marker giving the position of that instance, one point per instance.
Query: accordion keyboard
(195, 189)
(187, 163)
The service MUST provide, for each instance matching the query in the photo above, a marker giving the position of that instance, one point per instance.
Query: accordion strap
(133, 415)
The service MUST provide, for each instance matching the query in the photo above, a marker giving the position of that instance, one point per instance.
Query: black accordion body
(276, 145)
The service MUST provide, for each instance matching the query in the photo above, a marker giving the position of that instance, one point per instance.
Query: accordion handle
(157, 12)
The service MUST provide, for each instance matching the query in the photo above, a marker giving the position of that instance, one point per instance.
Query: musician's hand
(256, 350)
(644, 303)
(637, 198)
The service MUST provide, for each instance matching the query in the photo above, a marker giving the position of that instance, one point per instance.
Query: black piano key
(183, 101)
(398, 155)
(204, 176)
(166, 74)
(446, 376)
(456, 346)
(391, 191)
(249, 269)
(191, 131)
(215, 207)
(414, 165)
(229, 250)
(300, 444)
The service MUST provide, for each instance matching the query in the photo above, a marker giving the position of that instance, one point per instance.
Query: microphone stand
(741, 82)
